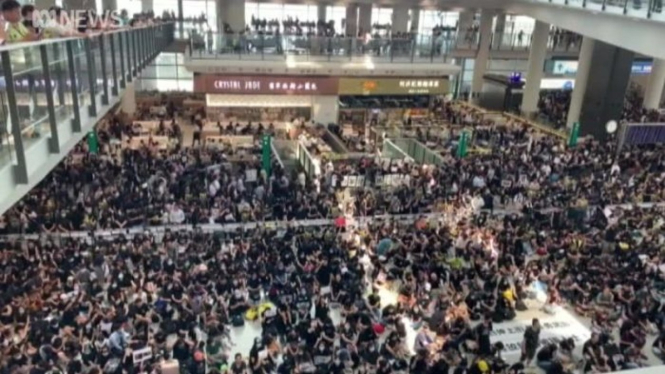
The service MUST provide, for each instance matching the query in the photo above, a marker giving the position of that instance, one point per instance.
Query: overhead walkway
(53, 92)
(636, 25)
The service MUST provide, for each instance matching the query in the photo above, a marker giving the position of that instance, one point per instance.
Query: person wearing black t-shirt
(545, 356)
(239, 366)
(323, 356)
(530, 342)
(337, 367)
(383, 366)
(370, 355)
(418, 362)
(483, 332)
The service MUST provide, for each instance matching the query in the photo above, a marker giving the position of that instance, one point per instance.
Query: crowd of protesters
(553, 108)
(90, 305)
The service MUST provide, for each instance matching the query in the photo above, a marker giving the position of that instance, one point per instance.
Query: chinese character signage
(393, 86)
(266, 85)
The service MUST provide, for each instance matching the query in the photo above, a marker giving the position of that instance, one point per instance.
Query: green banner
(462, 145)
(574, 134)
(266, 151)
(93, 143)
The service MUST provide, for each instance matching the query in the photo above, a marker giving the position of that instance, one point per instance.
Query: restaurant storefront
(388, 100)
(268, 98)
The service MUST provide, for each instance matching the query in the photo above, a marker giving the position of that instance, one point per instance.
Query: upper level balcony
(424, 49)
(54, 91)
(649, 9)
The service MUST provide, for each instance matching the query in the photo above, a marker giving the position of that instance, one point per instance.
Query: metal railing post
(21, 167)
(53, 141)
(114, 90)
(71, 65)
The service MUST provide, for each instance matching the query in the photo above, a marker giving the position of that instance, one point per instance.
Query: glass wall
(165, 5)
(131, 6)
(337, 14)
(432, 18)
(167, 73)
(280, 12)
(382, 16)
(515, 24)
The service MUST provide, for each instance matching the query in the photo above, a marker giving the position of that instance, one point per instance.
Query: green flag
(93, 144)
(574, 134)
(266, 152)
(461, 146)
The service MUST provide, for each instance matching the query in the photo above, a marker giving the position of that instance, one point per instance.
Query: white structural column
(400, 19)
(148, 5)
(535, 69)
(321, 12)
(653, 94)
(483, 53)
(128, 100)
(231, 12)
(415, 19)
(365, 18)
(351, 20)
(581, 79)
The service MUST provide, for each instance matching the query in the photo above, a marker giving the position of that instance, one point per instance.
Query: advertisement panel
(265, 85)
(393, 86)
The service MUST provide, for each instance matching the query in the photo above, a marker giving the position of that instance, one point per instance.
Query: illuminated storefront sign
(393, 86)
(266, 85)
(419, 83)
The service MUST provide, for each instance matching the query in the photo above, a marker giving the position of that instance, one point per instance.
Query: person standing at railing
(58, 26)
(16, 31)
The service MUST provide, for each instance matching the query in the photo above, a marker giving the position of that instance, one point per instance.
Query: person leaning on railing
(15, 31)
(58, 26)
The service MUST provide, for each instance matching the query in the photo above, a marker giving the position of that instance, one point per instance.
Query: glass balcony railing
(418, 48)
(48, 88)
(652, 9)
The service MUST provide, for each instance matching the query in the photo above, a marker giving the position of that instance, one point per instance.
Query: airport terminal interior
(322, 186)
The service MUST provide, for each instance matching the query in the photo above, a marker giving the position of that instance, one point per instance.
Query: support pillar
(351, 20)
(44, 4)
(231, 12)
(128, 101)
(483, 54)
(108, 5)
(535, 68)
(606, 88)
(321, 12)
(500, 23)
(365, 18)
(400, 19)
(415, 19)
(181, 20)
(466, 20)
(581, 79)
(653, 94)
(148, 5)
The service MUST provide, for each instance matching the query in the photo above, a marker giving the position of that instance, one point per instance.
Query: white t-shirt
(53, 28)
